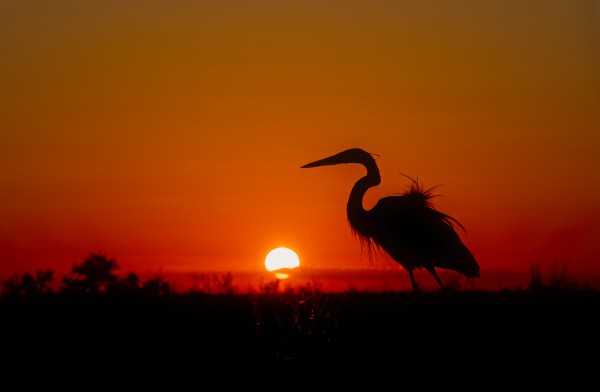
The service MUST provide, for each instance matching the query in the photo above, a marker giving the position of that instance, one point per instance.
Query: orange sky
(170, 135)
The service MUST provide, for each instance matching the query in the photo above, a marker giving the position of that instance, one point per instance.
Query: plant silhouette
(407, 226)
(94, 275)
(27, 284)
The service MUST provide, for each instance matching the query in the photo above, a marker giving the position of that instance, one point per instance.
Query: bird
(406, 226)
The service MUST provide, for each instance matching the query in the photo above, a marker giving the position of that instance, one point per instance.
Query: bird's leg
(437, 278)
(415, 287)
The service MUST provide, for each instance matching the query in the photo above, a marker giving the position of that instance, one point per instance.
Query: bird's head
(352, 155)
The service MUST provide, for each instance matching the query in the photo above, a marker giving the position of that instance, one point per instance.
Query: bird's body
(406, 226)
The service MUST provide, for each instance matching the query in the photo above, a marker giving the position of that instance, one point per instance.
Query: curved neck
(355, 203)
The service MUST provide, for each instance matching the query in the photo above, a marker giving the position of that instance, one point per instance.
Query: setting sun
(281, 259)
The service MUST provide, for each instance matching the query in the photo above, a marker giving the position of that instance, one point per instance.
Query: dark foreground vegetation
(527, 338)
(498, 334)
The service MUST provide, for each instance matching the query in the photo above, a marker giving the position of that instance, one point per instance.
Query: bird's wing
(413, 232)
(399, 214)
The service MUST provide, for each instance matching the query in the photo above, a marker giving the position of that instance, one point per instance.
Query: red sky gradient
(170, 135)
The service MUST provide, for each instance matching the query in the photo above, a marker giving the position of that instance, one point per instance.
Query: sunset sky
(170, 134)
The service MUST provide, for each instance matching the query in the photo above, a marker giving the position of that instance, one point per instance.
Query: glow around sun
(281, 258)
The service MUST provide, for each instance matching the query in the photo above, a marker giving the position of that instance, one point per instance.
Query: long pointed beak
(332, 160)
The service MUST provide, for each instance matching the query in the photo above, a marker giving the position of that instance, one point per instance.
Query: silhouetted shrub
(156, 286)
(27, 284)
(94, 275)
(557, 276)
(130, 284)
(213, 283)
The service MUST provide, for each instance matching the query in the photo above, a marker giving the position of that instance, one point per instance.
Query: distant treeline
(96, 274)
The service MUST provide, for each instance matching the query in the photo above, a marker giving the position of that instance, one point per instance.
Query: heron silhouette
(407, 226)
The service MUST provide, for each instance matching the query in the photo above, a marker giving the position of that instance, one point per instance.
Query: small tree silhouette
(95, 275)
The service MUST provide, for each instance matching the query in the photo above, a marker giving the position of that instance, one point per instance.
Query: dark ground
(441, 338)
